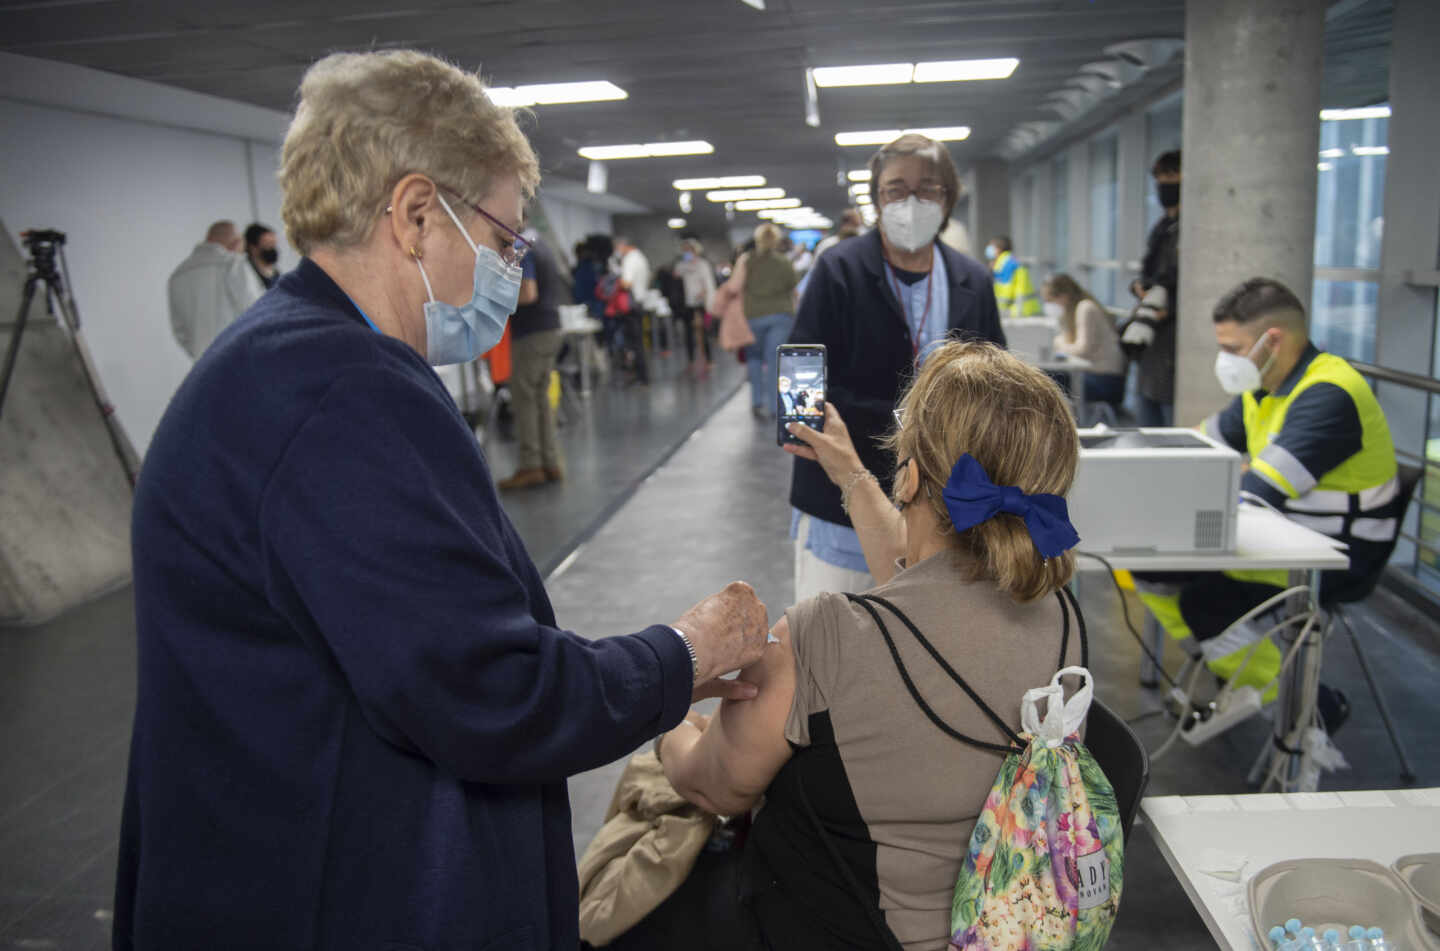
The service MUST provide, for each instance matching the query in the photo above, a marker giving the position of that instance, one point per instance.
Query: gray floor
(714, 512)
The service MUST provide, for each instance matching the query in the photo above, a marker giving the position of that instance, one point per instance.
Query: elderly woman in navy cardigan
(356, 711)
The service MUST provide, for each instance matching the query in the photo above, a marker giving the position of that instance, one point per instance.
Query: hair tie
(972, 498)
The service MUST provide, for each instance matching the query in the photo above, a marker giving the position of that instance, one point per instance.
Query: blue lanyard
(362, 313)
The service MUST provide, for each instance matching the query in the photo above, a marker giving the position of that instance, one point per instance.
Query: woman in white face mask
(880, 302)
(1087, 331)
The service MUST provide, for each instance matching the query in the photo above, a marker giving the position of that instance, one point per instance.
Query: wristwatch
(694, 658)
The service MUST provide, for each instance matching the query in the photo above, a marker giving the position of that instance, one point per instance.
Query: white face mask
(911, 224)
(1054, 310)
(1238, 373)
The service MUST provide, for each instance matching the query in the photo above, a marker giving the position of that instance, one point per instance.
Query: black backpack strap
(865, 601)
(1065, 594)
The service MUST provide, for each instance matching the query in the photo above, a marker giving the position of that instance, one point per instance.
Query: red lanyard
(914, 329)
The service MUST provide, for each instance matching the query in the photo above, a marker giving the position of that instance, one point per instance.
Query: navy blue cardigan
(849, 307)
(356, 713)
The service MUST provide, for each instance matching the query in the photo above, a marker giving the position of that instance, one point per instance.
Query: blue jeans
(770, 332)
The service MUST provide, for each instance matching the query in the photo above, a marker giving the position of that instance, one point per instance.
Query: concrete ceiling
(695, 69)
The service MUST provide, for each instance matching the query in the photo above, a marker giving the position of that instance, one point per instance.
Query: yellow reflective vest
(1014, 294)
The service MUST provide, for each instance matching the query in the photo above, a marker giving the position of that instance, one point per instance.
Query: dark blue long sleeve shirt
(356, 713)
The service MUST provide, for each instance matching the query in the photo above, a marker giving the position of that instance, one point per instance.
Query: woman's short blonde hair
(768, 237)
(976, 398)
(365, 120)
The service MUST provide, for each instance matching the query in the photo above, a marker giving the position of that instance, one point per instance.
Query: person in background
(1320, 452)
(1152, 334)
(263, 254)
(635, 279)
(879, 303)
(210, 288)
(535, 342)
(1014, 293)
(769, 298)
(698, 277)
(1087, 331)
(356, 712)
(850, 225)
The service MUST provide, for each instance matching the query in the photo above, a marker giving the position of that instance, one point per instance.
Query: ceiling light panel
(953, 133)
(603, 153)
(676, 223)
(744, 194)
(859, 175)
(880, 74)
(965, 70)
(767, 204)
(549, 94)
(1366, 112)
(724, 181)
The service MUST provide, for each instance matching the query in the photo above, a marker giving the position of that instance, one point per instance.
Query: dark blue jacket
(356, 714)
(849, 307)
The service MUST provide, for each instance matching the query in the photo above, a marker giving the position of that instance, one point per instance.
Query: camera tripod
(46, 247)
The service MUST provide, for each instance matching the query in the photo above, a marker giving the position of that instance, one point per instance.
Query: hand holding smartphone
(801, 394)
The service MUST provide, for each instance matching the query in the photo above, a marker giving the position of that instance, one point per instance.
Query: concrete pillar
(1252, 130)
(1406, 325)
(1134, 179)
(988, 182)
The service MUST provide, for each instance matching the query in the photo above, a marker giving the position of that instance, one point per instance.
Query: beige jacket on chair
(645, 849)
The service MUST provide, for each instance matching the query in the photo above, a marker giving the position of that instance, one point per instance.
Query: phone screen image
(801, 396)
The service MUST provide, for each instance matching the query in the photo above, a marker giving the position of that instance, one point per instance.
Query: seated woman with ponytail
(868, 800)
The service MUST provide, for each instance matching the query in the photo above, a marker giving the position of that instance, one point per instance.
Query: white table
(577, 324)
(1264, 540)
(1203, 834)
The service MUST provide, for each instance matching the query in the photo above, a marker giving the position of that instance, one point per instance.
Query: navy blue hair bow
(972, 498)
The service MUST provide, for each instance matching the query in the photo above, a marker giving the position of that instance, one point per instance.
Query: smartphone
(801, 396)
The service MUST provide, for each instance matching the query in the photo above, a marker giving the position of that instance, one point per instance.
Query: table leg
(1154, 636)
(1292, 702)
(587, 354)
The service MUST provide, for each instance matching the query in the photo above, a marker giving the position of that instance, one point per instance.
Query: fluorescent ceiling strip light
(550, 94)
(1370, 149)
(602, 153)
(767, 204)
(880, 74)
(1365, 112)
(1323, 166)
(859, 175)
(676, 223)
(864, 200)
(964, 70)
(725, 181)
(1332, 153)
(744, 194)
(885, 136)
(860, 188)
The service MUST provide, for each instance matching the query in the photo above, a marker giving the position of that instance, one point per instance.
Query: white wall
(133, 172)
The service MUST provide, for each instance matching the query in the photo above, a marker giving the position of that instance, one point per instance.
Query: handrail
(1414, 381)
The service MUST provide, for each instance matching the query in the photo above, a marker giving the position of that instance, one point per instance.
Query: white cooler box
(1166, 491)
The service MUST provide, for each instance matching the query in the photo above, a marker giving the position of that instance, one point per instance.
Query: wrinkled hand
(832, 448)
(728, 632)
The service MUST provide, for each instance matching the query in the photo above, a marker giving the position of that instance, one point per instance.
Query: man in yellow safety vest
(1320, 452)
(1015, 295)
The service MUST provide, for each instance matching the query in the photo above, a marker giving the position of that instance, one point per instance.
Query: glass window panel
(1104, 282)
(1342, 318)
(1032, 224)
(1103, 196)
(1060, 219)
(1349, 207)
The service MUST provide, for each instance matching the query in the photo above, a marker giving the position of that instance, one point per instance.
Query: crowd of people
(357, 710)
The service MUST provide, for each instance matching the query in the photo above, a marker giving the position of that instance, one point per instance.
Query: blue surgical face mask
(990, 252)
(460, 334)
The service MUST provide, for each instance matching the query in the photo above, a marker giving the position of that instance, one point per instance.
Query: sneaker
(1334, 708)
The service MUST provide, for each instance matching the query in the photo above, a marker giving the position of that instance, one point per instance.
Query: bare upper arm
(744, 746)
